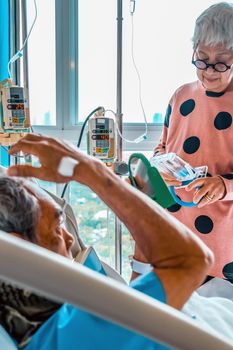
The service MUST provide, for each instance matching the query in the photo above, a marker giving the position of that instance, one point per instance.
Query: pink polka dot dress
(198, 128)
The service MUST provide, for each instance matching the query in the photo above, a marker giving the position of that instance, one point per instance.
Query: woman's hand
(211, 190)
(170, 180)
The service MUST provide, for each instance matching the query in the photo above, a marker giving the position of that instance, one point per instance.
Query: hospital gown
(73, 329)
(214, 313)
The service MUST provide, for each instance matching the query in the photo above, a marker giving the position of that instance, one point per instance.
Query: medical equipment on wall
(145, 175)
(14, 109)
(101, 142)
(14, 117)
(101, 138)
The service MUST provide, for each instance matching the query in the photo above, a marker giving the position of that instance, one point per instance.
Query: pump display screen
(18, 106)
(15, 112)
(100, 137)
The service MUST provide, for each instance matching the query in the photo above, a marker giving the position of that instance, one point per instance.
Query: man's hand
(50, 152)
(211, 190)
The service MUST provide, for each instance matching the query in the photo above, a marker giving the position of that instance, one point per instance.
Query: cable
(144, 135)
(20, 52)
(137, 72)
(137, 140)
(101, 109)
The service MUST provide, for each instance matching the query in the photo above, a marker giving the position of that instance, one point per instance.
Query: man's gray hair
(19, 210)
(215, 26)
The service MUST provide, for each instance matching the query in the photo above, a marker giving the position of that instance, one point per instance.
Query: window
(97, 227)
(71, 78)
(42, 63)
(97, 224)
(162, 50)
(95, 220)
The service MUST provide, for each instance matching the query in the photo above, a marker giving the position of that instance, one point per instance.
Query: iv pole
(118, 225)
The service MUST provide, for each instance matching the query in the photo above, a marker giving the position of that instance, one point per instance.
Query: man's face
(211, 79)
(51, 233)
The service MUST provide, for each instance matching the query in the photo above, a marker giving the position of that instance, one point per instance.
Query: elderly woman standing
(198, 127)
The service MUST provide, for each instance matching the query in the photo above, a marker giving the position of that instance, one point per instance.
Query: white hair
(215, 26)
(19, 210)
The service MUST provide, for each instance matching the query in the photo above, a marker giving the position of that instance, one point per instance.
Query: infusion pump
(14, 110)
(101, 138)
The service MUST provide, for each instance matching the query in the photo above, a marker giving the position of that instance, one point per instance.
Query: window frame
(130, 131)
(66, 19)
(67, 125)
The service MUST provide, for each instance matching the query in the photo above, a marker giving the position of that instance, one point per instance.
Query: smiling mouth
(211, 80)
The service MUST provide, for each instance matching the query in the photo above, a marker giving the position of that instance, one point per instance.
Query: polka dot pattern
(228, 271)
(204, 224)
(187, 107)
(167, 116)
(174, 208)
(214, 94)
(223, 121)
(191, 144)
(200, 131)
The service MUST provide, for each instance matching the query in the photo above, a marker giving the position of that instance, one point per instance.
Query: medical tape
(66, 166)
(140, 267)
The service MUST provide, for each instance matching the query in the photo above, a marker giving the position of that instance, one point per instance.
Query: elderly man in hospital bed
(179, 260)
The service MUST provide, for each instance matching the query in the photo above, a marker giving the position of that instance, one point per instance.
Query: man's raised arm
(178, 257)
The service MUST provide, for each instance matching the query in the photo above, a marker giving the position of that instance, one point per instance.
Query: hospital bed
(95, 292)
(37, 269)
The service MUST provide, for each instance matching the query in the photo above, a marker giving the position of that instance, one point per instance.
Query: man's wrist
(66, 166)
(90, 172)
(139, 267)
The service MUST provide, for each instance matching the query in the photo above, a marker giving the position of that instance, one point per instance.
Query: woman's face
(211, 79)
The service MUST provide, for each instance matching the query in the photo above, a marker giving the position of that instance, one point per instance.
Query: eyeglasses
(218, 67)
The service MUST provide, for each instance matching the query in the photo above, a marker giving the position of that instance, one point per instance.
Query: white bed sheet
(214, 309)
